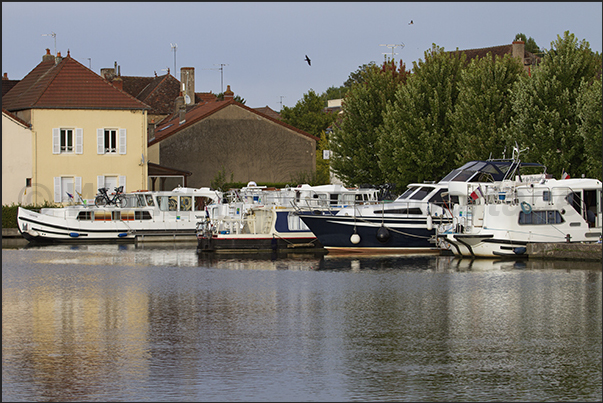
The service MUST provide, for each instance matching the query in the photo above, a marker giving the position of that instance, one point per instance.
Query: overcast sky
(263, 45)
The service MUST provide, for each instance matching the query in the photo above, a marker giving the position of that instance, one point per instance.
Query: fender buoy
(525, 207)
(429, 223)
(382, 234)
(355, 238)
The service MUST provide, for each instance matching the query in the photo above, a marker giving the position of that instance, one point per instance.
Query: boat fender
(355, 238)
(520, 250)
(429, 223)
(122, 234)
(525, 207)
(382, 234)
(317, 212)
(74, 234)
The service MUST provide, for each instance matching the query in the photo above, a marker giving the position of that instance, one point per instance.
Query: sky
(259, 49)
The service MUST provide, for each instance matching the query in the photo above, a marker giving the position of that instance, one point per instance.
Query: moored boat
(146, 216)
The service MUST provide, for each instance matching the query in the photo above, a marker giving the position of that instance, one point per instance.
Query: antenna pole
(221, 75)
(174, 48)
(282, 96)
(393, 47)
(55, 41)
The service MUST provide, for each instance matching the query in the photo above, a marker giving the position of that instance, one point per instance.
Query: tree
(354, 140)
(483, 108)
(360, 75)
(416, 142)
(308, 114)
(335, 93)
(237, 98)
(323, 175)
(589, 107)
(530, 44)
(545, 114)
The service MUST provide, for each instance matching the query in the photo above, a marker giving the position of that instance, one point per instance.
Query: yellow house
(16, 160)
(86, 133)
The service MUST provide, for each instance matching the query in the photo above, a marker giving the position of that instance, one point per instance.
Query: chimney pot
(228, 94)
(5, 76)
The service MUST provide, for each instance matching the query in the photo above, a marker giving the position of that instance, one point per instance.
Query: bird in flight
(410, 23)
(308, 60)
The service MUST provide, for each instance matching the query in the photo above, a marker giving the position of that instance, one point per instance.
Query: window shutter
(79, 141)
(57, 189)
(122, 182)
(78, 186)
(100, 181)
(122, 141)
(56, 141)
(100, 141)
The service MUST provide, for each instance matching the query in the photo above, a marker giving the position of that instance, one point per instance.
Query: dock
(564, 251)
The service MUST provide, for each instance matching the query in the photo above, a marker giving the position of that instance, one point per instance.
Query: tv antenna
(281, 102)
(90, 63)
(393, 47)
(55, 41)
(221, 75)
(174, 48)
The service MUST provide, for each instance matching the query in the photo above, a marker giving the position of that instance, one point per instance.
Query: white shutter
(79, 141)
(122, 182)
(122, 141)
(57, 189)
(78, 186)
(56, 141)
(100, 181)
(100, 142)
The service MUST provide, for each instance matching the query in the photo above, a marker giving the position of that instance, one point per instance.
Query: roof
(266, 110)
(171, 124)
(494, 51)
(66, 85)
(160, 170)
(157, 92)
(16, 119)
(7, 84)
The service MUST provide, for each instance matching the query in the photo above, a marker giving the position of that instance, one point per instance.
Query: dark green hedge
(9, 213)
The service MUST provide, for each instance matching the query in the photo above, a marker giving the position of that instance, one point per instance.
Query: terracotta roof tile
(67, 85)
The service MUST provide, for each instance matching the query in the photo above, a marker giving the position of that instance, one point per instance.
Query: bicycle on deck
(118, 198)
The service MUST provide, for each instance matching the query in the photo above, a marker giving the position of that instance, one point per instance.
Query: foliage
(9, 212)
(335, 93)
(545, 114)
(416, 141)
(354, 140)
(308, 114)
(589, 113)
(219, 181)
(530, 44)
(483, 108)
(360, 76)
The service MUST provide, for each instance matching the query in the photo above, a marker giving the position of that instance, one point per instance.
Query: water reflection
(108, 322)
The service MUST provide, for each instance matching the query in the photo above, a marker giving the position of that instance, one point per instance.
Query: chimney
(5, 76)
(47, 57)
(58, 59)
(228, 94)
(187, 77)
(118, 83)
(519, 50)
(107, 74)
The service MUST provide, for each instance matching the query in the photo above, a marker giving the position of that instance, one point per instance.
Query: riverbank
(565, 251)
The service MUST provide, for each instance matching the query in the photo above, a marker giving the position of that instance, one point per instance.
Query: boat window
(141, 201)
(408, 192)
(85, 215)
(540, 217)
(149, 199)
(185, 203)
(142, 215)
(421, 193)
(116, 215)
(404, 211)
(546, 195)
(437, 198)
(162, 202)
(201, 202)
(173, 203)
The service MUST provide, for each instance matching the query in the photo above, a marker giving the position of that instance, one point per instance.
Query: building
(516, 49)
(230, 139)
(16, 160)
(86, 133)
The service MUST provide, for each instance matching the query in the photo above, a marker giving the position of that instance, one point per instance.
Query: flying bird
(308, 60)
(410, 23)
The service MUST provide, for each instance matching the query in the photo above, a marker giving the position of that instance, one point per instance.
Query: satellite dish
(187, 99)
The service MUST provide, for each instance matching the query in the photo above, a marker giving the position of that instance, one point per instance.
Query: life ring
(525, 207)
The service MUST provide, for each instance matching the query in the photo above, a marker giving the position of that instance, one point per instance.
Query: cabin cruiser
(146, 216)
(408, 224)
(261, 218)
(500, 219)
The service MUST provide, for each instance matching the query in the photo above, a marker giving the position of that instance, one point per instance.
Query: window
(67, 141)
(64, 186)
(540, 217)
(111, 182)
(27, 182)
(424, 191)
(111, 141)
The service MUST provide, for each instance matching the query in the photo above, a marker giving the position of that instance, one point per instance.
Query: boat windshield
(487, 171)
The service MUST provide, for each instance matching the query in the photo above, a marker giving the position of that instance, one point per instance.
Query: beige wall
(16, 162)
(89, 164)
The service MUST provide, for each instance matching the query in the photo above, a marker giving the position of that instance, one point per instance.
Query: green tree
(545, 115)
(416, 142)
(354, 140)
(335, 93)
(530, 44)
(323, 176)
(590, 107)
(360, 75)
(483, 107)
(308, 114)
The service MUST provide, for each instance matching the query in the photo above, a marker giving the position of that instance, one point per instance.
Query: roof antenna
(55, 41)
(174, 48)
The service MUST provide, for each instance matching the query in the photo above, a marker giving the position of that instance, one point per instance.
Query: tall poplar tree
(483, 107)
(590, 127)
(354, 140)
(545, 114)
(416, 142)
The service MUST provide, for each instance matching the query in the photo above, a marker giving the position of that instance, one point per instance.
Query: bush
(9, 213)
